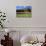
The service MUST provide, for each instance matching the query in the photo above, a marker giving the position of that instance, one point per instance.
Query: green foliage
(2, 18)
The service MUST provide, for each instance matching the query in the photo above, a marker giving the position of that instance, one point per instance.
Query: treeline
(24, 10)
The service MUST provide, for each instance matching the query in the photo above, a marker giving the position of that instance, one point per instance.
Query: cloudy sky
(23, 7)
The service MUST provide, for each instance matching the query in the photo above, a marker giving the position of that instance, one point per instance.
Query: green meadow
(24, 15)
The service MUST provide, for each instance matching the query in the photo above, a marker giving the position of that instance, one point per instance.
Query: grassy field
(24, 15)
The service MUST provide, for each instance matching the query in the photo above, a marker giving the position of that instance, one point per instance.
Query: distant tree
(29, 10)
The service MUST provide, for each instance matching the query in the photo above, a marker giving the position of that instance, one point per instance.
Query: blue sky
(23, 7)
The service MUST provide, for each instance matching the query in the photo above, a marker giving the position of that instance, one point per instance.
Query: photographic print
(23, 11)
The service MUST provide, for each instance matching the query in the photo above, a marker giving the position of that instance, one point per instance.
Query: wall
(36, 23)
(38, 13)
